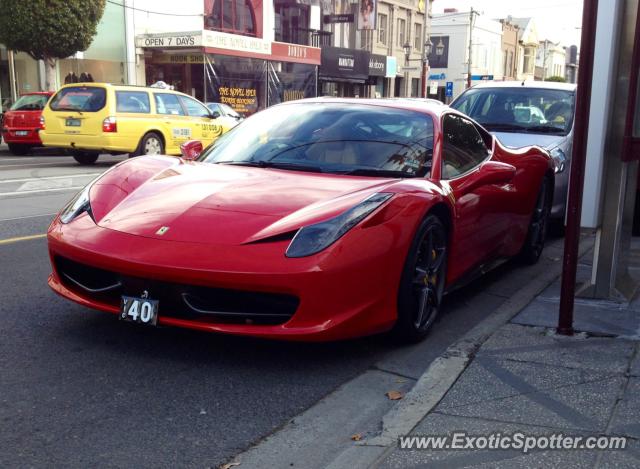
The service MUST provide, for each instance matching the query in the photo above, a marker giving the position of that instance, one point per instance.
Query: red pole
(425, 68)
(576, 177)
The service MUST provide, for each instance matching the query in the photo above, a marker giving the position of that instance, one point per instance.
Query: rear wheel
(537, 234)
(85, 157)
(19, 149)
(422, 282)
(151, 144)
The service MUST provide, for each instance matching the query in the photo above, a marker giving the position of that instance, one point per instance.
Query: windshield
(79, 98)
(330, 138)
(229, 111)
(30, 102)
(521, 109)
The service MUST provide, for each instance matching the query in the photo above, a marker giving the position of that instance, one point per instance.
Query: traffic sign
(448, 92)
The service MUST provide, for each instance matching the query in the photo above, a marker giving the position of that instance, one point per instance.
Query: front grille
(180, 301)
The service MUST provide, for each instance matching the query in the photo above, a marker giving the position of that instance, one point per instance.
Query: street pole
(425, 58)
(576, 177)
(471, 15)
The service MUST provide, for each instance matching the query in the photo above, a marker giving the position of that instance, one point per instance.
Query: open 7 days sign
(188, 39)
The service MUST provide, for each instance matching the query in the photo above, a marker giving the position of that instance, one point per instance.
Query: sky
(557, 20)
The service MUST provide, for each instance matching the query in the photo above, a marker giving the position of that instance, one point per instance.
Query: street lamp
(440, 47)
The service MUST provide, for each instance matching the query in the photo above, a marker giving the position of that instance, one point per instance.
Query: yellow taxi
(93, 118)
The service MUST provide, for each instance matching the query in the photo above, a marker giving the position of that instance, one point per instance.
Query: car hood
(221, 204)
(517, 140)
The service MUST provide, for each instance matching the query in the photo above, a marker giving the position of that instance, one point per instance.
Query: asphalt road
(79, 389)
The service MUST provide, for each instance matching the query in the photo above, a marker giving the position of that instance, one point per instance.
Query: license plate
(22, 133)
(140, 310)
(72, 122)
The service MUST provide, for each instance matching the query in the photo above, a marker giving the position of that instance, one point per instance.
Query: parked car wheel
(19, 149)
(539, 224)
(85, 157)
(422, 282)
(151, 144)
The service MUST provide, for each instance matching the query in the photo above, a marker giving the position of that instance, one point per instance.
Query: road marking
(30, 216)
(3, 194)
(46, 178)
(21, 238)
(19, 159)
(35, 164)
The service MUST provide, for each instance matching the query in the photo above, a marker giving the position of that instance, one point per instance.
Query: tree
(48, 30)
(556, 78)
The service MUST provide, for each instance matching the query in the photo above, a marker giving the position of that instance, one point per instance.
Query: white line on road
(33, 164)
(30, 216)
(46, 178)
(19, 159)
(2, 194)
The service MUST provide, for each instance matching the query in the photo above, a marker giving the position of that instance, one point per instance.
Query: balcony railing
(304, 37)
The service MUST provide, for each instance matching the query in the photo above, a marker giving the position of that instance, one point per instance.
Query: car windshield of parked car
(229, 111)
(30, 102)
(340, 138)
(521, 109)
(79, 98)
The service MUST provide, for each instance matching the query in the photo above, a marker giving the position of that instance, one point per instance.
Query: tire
(538, 226)
(422, 282)
(85, 158)
(151, 144)
(19, 149)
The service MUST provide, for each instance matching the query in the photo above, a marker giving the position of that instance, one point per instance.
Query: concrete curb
(445, 370)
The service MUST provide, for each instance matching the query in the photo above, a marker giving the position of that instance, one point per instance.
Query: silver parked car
(528, 113)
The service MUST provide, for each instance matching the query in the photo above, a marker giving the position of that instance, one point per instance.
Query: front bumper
(346, 291)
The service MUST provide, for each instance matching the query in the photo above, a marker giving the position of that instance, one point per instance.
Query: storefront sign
(345, 18)
(218, 40)
(340, 64)
(186, 39)
(194, 58)
(392, 67)
(377, 65)
(295, 53)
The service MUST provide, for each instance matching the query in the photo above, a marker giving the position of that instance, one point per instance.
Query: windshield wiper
(376, 172)
(274, 164)
(545, 129)
(74, 109)
(504, 127)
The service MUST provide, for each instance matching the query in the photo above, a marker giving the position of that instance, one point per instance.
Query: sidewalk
(527, 379)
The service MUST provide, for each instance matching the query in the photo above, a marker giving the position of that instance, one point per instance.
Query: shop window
(232, 16)
(382, 28)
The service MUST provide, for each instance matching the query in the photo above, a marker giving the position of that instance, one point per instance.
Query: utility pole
(425, 58)
(472, 14)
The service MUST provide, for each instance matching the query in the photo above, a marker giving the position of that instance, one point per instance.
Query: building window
(402, 26)
(510, 66)
(232, 16)
(417, 36)
(529, 59)
(382, 28)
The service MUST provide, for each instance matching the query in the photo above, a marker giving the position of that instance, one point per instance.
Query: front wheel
(422, 282)
(537, 233)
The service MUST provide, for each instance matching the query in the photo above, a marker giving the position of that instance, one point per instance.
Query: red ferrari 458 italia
(318, 219)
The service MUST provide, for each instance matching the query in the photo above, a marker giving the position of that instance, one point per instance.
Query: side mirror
(491, 172)
(215, 114)
(191, 150)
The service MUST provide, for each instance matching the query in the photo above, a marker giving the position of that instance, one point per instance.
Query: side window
(132, 101)
(168, 104)
(463, 147)
(194, 108)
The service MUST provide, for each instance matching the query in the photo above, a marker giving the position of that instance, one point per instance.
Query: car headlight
(78, 205)
(559, 159)
(314, 238)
